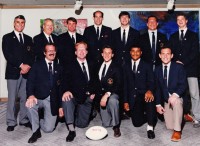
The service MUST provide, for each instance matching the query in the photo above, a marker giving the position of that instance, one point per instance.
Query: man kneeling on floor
(171, 84)
(43, 91)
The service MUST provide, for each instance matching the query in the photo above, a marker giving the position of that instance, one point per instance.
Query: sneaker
(196, 124)
(188, 118)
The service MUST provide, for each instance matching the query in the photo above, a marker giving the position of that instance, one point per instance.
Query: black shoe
(70, 137)
(35, 136)
(117, 132)
(28, 125)
(10, 128)
(150, 134)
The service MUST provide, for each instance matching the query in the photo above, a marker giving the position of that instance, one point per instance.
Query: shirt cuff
(176, 94)
(109, 93)
(158, 105)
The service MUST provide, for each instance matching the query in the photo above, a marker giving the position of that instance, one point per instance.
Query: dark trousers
(76, 113)
(142, 112)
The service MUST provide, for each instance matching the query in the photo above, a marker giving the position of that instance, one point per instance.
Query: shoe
(150, 134)
(176, 136)
(188, 118)
(28, 125)
(117, 132)
(70, 137)
(10, 128)
(196, 124)
(35, 136)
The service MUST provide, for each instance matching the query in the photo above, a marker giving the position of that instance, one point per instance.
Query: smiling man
(138, 91)
(45, 37)
(171, 85)
(18, 52)
(42, 91)
(110, 84)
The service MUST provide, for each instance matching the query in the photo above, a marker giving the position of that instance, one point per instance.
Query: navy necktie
(165, 75)
(103, 72)
(20, 38)
(85, 72)
(97, 32)
(50, 42)
(51, 74)
(153, 46)
(182, 35)
(134, 67)
(73, 39)
(124, 37)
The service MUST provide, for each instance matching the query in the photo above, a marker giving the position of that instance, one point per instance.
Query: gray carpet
(131, 136)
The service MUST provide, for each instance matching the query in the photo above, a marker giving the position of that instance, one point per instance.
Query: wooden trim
(97, 6)
(3, 99)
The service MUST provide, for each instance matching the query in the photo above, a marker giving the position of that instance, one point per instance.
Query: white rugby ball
(96, 133)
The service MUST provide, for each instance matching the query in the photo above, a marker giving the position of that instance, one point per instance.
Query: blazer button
(134, 96)
(135, 88)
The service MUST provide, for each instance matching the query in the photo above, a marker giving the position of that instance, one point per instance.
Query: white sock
(149, 127)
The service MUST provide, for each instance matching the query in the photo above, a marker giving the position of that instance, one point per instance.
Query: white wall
(32, 28)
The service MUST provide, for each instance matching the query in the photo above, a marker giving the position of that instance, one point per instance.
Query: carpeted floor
(131, 136)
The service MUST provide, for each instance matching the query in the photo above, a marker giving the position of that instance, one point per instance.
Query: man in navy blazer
(147, 44)
(45, 37)
(109, 77)
(78, 91)
(67, 41)
(138, 91)
(171, 84)
(97, 36)
(43, 92)
(18, 52)
(123, 38)
(185, 47)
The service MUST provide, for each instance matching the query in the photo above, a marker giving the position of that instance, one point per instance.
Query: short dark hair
(72, 19)
(98, 11)
(20, 17)
(135, 46)
(153, 17)
(181, 14)
(49, 44)
(107, 46)
(165, 47)
(122, 13)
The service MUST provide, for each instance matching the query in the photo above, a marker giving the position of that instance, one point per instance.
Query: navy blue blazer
(145, 45)
(187, 52)
(122, 53)
(75, 82)
(66, 48)
(16, 53)
(94, 44)
(135, 88)
(112, 81)
(38, 84)
(177, 82)
(40, 41)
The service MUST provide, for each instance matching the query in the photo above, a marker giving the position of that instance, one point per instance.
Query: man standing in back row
(97, 36)
(17, 50)
(123, 38)
(185, 47)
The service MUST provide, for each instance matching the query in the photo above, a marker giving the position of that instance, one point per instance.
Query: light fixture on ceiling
(78, 4)
(171, 5)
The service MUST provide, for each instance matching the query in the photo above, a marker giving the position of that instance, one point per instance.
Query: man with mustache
(43, 92)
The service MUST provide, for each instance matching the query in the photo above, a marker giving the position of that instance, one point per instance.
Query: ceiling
(92, 2)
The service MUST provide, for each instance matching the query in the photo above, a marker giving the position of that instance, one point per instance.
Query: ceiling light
(78, 4)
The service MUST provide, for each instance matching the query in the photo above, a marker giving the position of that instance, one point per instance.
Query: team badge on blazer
(28, 48)
(110, 81)
(58, 82)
